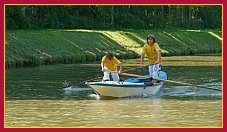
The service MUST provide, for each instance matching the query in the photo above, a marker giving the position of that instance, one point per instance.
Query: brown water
(36, 97)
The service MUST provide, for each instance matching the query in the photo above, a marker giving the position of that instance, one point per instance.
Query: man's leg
(106, 75)
(115, 76)
(154, 71)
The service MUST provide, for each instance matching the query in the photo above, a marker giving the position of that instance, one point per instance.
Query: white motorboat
(129, 87)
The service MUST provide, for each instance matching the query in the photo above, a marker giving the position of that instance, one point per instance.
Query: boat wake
(189, 91)
(74, 89)
(95, 96)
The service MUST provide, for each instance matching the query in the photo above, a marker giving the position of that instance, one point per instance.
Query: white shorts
(154, 70)
(106, 75)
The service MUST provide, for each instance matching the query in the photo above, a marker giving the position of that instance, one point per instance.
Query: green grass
(43, 47)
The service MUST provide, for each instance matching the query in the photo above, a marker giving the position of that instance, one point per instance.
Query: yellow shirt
(112, 65)
(151, 52)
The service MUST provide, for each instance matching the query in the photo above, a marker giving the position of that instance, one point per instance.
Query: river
(56, 96)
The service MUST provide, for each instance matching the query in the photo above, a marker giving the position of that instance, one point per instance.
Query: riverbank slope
(44, 47)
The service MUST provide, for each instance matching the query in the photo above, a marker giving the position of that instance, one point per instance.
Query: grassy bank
(44, 47)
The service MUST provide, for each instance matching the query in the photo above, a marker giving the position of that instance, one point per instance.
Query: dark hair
(109, 55)
(150, 36)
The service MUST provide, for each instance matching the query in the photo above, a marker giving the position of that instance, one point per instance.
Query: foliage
(113, 16)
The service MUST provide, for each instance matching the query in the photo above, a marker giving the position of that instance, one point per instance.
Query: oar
(171, 81)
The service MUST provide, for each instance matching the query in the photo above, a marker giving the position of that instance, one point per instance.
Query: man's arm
(102, 65)
(141, 60)
(120, 71)
(159, 57)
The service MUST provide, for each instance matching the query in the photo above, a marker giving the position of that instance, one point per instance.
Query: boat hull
(121, 90)
(130, 87)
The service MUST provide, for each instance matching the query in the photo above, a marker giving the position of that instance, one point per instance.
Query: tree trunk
(112, 16)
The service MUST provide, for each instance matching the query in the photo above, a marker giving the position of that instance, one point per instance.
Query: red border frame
(99, 2)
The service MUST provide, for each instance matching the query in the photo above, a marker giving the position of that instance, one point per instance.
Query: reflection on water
(56, 96)
(142, 112)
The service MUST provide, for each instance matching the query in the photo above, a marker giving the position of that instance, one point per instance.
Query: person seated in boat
(152, 50)
(109, 65)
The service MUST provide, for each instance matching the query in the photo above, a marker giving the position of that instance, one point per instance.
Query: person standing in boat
(109, 65)
(153, 52)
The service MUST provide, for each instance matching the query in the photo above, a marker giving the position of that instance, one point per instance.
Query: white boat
(128, 88)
